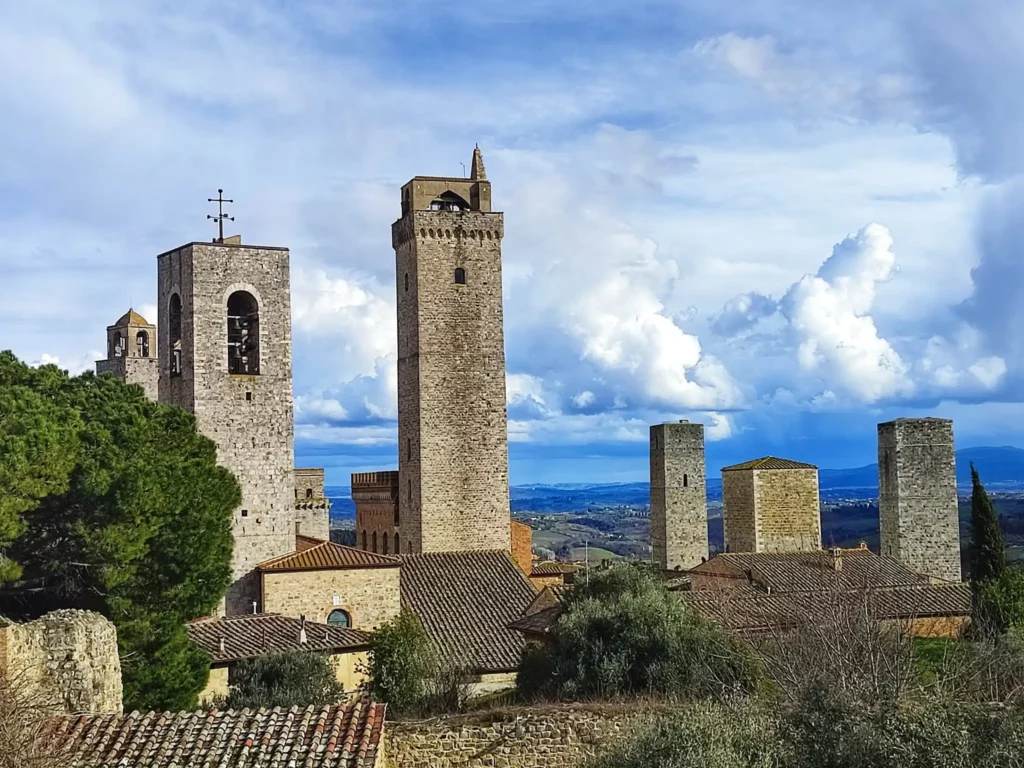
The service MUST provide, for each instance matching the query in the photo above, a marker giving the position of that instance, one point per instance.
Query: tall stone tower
(452, 430)
(771, 505)
(226, 356)
(679, 499)
(917, 504)
(131, 352)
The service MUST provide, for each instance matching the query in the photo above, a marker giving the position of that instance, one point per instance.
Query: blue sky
(788, 220)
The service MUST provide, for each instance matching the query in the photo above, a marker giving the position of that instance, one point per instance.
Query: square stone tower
(226, 356)
(452, 430)
(377, 507)
(312, 507)
(131, 352)
(771, 505)
(679, 499)
(917, 505)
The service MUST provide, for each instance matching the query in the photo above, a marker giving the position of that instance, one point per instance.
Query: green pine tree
(138, 529)
(987, 553)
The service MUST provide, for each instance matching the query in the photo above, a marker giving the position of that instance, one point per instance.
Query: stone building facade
(225, 355)
(452, 430)
(132, 353)
(312, 507)
(377, 511)
(67, 659)
(679, 500)
(771, 505)
(917, 501)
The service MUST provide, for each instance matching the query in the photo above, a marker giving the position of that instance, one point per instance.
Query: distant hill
(1001, 468)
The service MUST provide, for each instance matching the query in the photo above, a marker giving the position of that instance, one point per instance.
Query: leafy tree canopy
(624, 633)
(402, 663)
(289, 679)
(132, 519)
(987, 551)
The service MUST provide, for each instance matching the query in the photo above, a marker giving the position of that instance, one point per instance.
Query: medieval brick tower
(131, 352)
(679, 500)
(225, 354)
(917, 502)
(452, 430)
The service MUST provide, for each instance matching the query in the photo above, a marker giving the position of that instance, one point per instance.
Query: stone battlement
(375, 480)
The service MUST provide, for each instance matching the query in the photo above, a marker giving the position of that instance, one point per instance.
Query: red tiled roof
(346, 736)
(800, 571)
(548, 568)
(251, 635)
(466, 601)
(314, 554)
(770, 462)
(539, 623)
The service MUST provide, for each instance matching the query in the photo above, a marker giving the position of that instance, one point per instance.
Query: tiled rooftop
(131, 317)
(797, 571)
(770, 462)
(315, 737)
(315, 554)
(251, 635)
(549, 568)
(466, 600)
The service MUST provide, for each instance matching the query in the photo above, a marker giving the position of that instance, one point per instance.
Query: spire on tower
(476, 171)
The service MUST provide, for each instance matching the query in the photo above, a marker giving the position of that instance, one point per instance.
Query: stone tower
(679, 500)
(225, 354)
(452, 431)
(131, 352)
(771, 505)
(917, 503)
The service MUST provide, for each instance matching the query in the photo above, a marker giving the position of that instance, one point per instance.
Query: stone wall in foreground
(529, 738)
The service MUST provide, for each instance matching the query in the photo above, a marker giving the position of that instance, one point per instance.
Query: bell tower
(452, 428)
(131, 352)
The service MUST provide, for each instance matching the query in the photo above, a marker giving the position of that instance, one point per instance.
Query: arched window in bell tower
(117, 345)
(243, 334)
(142, 344)
(174, 312)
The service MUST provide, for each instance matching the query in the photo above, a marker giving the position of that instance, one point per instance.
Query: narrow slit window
(460, 276)
(686, 481)
(407, 281)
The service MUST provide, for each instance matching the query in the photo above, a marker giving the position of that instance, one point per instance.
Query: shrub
(625, 634)
(999, 603)
(292, 678)
(401, 664)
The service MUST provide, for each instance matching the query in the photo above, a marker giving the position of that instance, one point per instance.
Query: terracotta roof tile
(252, 635)
(539, 623)
(326, 554)
(346, 736)
(548, 568)
(770, 462)
(799, 571)
(466, 601)
(131, 317)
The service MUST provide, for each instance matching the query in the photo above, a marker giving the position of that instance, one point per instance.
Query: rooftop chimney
(837, 559)
(222, 645)
(302, 629)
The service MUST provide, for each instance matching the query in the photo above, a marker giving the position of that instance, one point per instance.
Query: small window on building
(117, 346)
(408, 548)
(374, 540)
(243, 334)
(398, 547)
(409, 496)
(174, 322)
(406, 281)
(309, 493)
(686, 480)
(245, 513)
(142, 344)
(364, 540)
(460, 276)
(339, 618)
(385, 550)
(248, 397)
(408, 449)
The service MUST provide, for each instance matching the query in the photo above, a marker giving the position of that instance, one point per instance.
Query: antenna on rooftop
(463, 167)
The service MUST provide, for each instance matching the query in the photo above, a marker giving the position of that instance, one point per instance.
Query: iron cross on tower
(219, 218)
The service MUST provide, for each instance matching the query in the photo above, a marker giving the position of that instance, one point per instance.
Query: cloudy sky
(788, 220)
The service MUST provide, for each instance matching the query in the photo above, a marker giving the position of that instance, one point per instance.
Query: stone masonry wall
(522, 546)
(66, 658)
(248, 417)
(452, 430)
(679, 499)
(562, 737)
(788, 510)
(739, 511)
(144, 371)
(917, 501)
(369, 595)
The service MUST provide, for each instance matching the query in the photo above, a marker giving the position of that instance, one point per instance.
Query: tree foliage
(401, 665)
(625, 634)
(292, 678)
(132, 520)
(999, 603)
(987, 551)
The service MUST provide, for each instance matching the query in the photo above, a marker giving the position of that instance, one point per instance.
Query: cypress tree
(987, 554)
